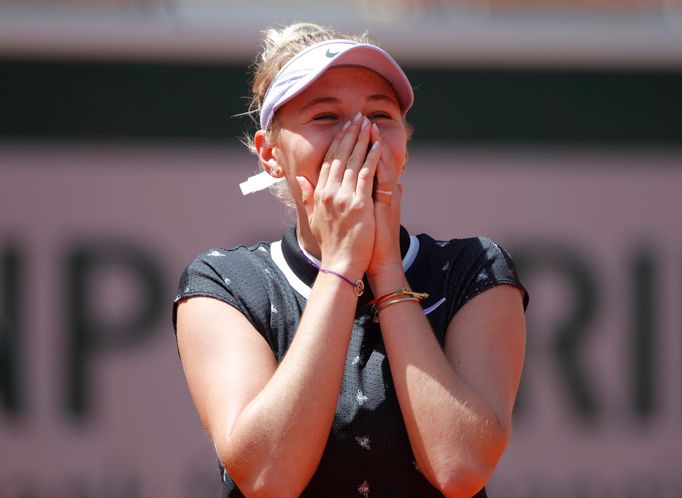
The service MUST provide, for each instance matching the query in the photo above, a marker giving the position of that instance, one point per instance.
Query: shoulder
(222, 263)
(470, 248)
(470, 265)
(464, 248)
(230, 275)
(219, 257)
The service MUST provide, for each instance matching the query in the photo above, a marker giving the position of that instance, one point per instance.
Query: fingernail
(357, 116)
(376, 145)
(364, 124)
(346, 125)
(376, 128)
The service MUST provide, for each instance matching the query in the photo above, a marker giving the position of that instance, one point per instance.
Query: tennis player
(349, 358)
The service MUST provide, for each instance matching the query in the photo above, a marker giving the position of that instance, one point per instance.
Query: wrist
(357, 285)
(347, 269)
(387, 278)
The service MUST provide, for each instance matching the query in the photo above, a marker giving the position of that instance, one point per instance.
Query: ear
(266, 156)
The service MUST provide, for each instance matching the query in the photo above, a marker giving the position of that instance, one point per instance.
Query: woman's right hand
(340, 208)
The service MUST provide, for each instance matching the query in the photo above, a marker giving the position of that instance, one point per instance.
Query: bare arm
(258, 414)
(456, 403)
(270, 423)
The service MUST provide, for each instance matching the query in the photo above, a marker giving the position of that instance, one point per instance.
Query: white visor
(308, 65)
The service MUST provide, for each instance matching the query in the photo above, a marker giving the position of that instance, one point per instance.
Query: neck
(305, 236)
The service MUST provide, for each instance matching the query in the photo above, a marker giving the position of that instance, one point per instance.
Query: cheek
(398, 146)
(394, 134)
(308, 155)
(400, 156)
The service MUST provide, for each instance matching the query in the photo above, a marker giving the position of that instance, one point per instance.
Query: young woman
(350, 358)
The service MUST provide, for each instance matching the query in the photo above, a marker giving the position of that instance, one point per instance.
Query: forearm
(281, 434)
(455, 434)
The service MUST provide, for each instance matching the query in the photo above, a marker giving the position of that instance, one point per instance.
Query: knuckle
(327, 197)
(359, 205)
(364, 174)
(343, 203)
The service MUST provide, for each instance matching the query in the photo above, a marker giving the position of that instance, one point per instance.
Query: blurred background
(553, 126)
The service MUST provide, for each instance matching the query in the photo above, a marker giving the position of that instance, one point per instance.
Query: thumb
(306, 193)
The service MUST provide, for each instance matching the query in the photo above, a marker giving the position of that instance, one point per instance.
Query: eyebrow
(320, 100)
(378, 97)
(382, 97)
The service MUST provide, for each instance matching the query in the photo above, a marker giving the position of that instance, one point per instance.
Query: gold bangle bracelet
(399, 293)
(385, 304)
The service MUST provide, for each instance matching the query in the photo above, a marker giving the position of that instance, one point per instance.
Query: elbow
(465, 473)
(268, 479)
(464, 480)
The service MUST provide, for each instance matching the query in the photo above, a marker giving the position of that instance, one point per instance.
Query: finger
(374, 133)
(398, 193)
(357, 157)
(330, 155)
(386, 168)
(344, 150)
(306, 194)
(366, 174)
(383, 192)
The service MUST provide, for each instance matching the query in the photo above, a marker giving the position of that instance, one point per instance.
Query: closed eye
(380, 115)
(324, 117)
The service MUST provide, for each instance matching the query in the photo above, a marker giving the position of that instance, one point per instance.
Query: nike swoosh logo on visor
(331, 54)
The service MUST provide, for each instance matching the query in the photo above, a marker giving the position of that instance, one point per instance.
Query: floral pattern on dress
(363, 441)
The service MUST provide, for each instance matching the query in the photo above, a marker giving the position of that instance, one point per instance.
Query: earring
(277, 173)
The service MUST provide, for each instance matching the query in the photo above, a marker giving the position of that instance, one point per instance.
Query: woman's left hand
(386, 254)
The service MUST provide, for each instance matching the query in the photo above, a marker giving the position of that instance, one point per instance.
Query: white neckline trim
(411, 253)
(305, 290)
(278, 258)
(307, 254)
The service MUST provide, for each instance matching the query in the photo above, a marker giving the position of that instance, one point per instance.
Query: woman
(315, 368)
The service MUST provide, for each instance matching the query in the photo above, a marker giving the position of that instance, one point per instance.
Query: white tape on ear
(258, 182)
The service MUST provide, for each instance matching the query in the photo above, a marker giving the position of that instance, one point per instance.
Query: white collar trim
(305, 290)
(278, 258)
